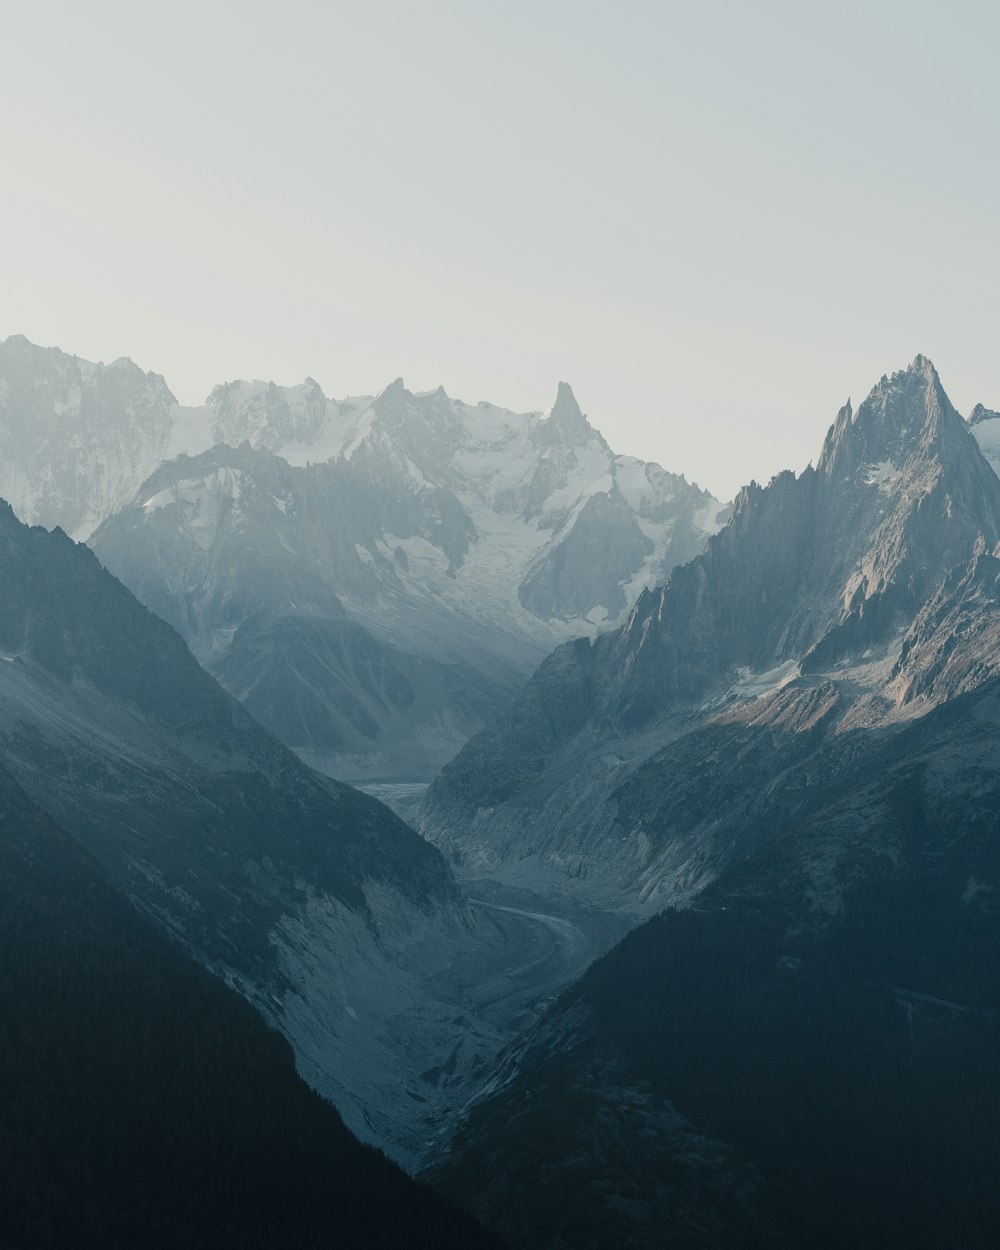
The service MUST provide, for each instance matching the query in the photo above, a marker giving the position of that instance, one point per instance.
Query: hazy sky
(716, 220)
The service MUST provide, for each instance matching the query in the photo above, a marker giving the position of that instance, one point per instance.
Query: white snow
(987, 435)
(883, 475)
(750, 685)
(346, 424)
(521, 485)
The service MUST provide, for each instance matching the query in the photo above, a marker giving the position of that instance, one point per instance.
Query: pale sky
(715, 221)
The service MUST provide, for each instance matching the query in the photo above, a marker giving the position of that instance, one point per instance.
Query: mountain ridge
(262, 869)
(805, 1053)
(825, 569)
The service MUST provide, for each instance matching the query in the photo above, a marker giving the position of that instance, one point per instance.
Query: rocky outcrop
(258, 866)
(819, 574)
(472, 538)
(76, 438)
(119, 1050)
(805, 1055)
(985, 426)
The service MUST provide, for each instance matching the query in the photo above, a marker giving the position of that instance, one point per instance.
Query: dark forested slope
(144, 1104)
(808, 1055)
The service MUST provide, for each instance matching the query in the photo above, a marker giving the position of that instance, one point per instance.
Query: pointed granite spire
(981, 413)
(566, 423)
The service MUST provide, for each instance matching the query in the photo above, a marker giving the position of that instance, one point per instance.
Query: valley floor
(433, 1035)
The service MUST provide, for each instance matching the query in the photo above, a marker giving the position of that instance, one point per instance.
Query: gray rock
(820, 575)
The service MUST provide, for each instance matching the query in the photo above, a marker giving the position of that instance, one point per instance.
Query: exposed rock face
(981, 413)
(472, 537)
(985, 426)
(262, 868)
(577, 574)
(818, 575)
(76, 438)
(469, 535)
(808, 1055)
(953, 645)
(267, 416)
(195, 1127)
(274, 577)
(348, 701)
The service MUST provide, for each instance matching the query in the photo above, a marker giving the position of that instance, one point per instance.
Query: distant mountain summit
(566, 422)
(982, 413)
(793, 746)
(76, 438)
(811, 587)
(985, 425)
(419, 555)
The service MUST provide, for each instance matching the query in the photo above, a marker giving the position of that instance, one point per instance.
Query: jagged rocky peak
(265, 414)
(984, 425)
(392, 396)
(981, 413)
(831, 565)
(566, 424)
(421, 430)
(76, 437)
(904, 414)
(60, 382)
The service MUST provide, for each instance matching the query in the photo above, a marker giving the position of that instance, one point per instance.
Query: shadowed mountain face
(142, 1103)
(342, 650)
(809, 589)
(806, 1056)
(262, 868)
(103, 700)
(471, 536)
(332, 689)
(466, 535)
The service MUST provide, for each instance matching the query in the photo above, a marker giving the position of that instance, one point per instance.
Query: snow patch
(987, 435)
(751, 685)
(883, 475)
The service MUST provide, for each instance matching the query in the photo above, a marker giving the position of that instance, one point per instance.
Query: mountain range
(762, 738)
(793, 743)
(375, 576)
(261, 868)
(629, 766)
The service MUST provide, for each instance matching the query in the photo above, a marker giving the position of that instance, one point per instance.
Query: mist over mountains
(803, 612)
(375, 577)
(763, 738)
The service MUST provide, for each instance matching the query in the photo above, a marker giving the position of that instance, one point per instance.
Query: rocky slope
(985, 424)
(810, 589)
(77, 438)
(807, 1055)
(470, 536)
(474, 538)
(144, 1103)
(272, 875)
